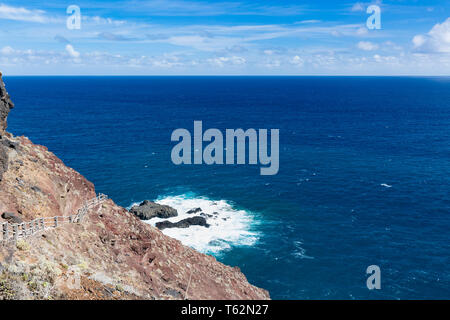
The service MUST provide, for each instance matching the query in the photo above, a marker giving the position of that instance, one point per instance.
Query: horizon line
(222, 75)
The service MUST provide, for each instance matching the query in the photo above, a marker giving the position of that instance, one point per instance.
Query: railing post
(24, 229)
(34, 226)
(5, 231)
(16, 232)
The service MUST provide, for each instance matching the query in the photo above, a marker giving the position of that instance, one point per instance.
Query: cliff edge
(5, 106)
(110, 255)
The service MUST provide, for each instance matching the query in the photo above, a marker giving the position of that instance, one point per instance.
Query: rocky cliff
(110, 255)
(5, 105)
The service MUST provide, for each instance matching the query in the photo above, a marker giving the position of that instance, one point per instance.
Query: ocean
(364, 174)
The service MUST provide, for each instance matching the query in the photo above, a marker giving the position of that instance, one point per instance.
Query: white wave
(299, 251)
(228, 226)
(386, 185)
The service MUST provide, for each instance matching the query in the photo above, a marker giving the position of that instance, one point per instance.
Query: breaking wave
(229, 227)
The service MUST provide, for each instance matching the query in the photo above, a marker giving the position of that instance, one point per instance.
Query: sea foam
(229, 227)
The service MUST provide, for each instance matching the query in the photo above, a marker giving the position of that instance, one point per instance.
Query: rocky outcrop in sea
(185, 223)
(148, 210)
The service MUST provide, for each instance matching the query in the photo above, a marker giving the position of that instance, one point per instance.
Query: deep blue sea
(364, 173)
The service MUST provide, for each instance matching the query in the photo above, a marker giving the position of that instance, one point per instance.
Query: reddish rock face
(111, 255)
(5, 105)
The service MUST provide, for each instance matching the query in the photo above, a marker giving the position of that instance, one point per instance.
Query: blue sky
(197, 37)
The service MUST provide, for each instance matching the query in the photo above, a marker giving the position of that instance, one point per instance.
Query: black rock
(185, 223)
(194, 210)
(11, 217)
(9, 144)
(164, 225)
(36, 189)
(206, 215)
(148, 209)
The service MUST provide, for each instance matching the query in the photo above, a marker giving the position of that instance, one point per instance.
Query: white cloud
(437, 40)
(104, 21)
(201, 42)
(21, 14)
(362, 31)
(308, 61)
(309, 21)
(7, 51)
(273, 64)
(222, 61)
(213, 8)
(166, 61)
(357, 7)
(419, 40)
(391, 45)
(387, 60)
(72, 52)
(218, 37)
(367, 46)
(335, 33)
(32, 15)
(297, 61)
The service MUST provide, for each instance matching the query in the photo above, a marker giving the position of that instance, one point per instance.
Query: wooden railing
(16, 231)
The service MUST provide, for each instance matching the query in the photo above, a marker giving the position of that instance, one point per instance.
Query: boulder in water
(185, 223)
(148, 209)
(195, 210)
